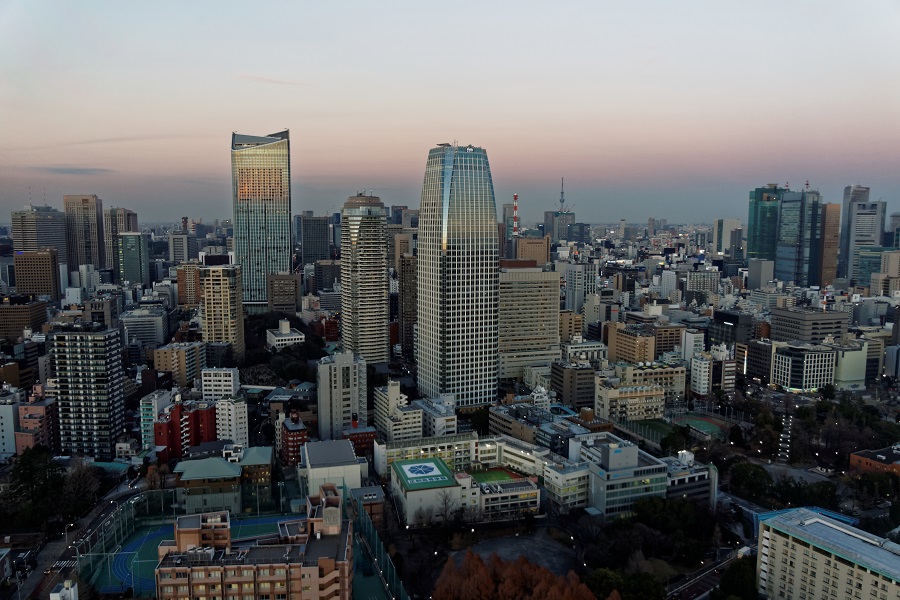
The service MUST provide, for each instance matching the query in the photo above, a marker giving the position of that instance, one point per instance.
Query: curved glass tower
(261, 186)
(364, 280)
(458, 277)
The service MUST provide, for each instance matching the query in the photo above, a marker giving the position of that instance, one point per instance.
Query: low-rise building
(689, 480)
(629, 403)
(886, 460)
(803, 366)
(284, 336)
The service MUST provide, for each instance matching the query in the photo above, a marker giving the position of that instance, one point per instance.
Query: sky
(673, 110)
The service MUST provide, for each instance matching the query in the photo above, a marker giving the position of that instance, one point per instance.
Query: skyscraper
(37, 272)
(831, 227)
(223, 311)
(86, 360)
(116, 221)
(133, 250)
(364, 280)
(84, 231)
(722, 229)
(762, 222)
(799, 241)
(458, 277)
(261, 190)
(407, 273)
(38, 227)
(315, 244)
(341, 385)
(863, 225)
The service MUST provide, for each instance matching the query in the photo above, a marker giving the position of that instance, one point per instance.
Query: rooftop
(330, 453)
(423, 474)
(215, 467)
(875, 553)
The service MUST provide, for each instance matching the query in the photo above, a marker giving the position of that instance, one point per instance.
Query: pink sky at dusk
(657, 109)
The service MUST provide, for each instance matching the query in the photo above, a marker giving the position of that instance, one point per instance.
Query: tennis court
(708, 425)
(495, 475)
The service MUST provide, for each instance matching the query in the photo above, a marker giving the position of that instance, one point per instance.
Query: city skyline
(659, 112)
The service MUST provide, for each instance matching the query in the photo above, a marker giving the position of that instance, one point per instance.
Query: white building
(439, 415)
(341, 383)
(219, 383)
(395, 419)
(801, 366)
(232, 422)
(284, 336)
(332, 461)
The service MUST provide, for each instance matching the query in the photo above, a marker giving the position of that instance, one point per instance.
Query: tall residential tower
(458, 277)
(364, 279)
(261, 190)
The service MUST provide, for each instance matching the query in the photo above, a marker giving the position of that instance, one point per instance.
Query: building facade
(116, 221)
(527, 317)
(261, 192)
(341, 383)
(84, 231)
(223, 309)
(457, 277)
(364, 280)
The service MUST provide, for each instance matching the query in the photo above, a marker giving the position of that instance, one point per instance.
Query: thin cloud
(58, 170)
(270, 80)
(110, 140)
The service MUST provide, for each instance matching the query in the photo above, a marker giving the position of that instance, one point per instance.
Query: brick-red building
(185, 424)
(293, 435)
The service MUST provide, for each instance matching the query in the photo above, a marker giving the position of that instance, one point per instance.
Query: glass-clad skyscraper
(458, 277)
(798, 253)
(762, 221)
(261, 186)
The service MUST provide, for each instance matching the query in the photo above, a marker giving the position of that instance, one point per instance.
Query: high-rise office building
(37, 227)
(37, 273)
(409, 299)
(528, 317)
(84, 231)
(182, 247)
(762, 222)
(721, 238)
(581, 281)
(364, 280)
(831, 229)
(341, 385)
(223, 309)
(188, 278)
(86, 360)
(133, 248)
(797, 255)
(853, 194)
(458, 277)
(864, 227)
(261, 186)
(316, 244)
(116, 221)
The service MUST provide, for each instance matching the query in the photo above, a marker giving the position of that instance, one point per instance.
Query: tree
(36, 478)
(738, 581)
(80, 489)
(750, 480)
(446, 505)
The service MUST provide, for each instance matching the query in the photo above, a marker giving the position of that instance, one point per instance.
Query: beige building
(223, 307)
(673, 378)
(312, 558)
(84, 231)
(629, 403)
(631, 344)
(395, 419)
(184, 361)
(570, 325)
(188, 278)
(803, 554)
(528, 310)
(536, 249)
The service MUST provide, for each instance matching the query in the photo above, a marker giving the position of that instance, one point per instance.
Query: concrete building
(331, 462)
(219, 382)
(536, 249)
(183, 247)
(37, 227)
(188, 279)
(284, 336)
(408, 300)
(284, 292)
(185, 361)
(150, 407)
(886, 460)
(38, 424)
(581, 282)
(629, 403)
(571, 324)
(395, 419)
(438, 416)
(803, 554)
(223, 309)
(688, 480)
(528, 313)
(631, 344)
(37, 273)
(759, 273)
(316, 244)
(150, 326)
(364, 279)
(672, 378)
(115, 222)
(91, 408)
(310, 558)
(18, 313)
(730, 327)
(232, 420)
(84, 231)
(803, 366)
(341, 383)
(807, 325)
(294, 434)
(573, 383)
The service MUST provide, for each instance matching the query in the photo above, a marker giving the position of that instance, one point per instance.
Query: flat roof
(875, 553)
(419, 474)
(330, 453)
(215, 467)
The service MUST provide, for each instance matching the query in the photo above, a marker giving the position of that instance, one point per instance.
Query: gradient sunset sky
(666, 109)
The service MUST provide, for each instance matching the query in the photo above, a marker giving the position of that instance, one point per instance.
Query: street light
(66, 532)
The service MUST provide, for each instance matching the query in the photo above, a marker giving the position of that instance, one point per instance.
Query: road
(60, 553)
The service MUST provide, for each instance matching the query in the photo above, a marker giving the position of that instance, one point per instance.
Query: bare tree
(446, 505)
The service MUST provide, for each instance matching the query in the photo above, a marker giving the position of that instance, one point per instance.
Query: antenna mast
(515, 215)
(562, 194)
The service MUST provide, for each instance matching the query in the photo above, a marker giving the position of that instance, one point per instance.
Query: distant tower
(116, 221)
(562, 194)
(84, 231)
(458, 277)
(364, 279)
(261, 193)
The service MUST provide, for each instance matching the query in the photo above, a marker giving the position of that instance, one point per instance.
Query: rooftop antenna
(562, 194)
(807, 185)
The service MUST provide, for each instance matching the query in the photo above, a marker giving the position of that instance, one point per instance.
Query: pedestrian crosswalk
(65, 564)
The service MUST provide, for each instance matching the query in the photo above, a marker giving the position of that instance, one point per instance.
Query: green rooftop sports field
(494, 476)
